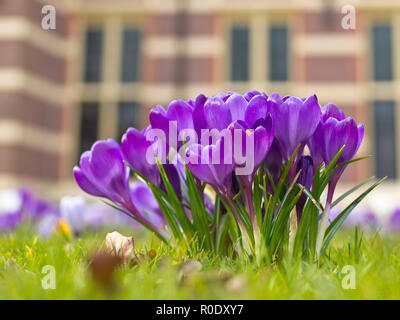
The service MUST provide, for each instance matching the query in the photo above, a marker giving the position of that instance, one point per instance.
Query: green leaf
(345, 163)
(201, 219)
(344, 195)
(335, 224)
(176, 204)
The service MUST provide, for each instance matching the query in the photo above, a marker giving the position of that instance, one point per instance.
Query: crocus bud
(305, 179)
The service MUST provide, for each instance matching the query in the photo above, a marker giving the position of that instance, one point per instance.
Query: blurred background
(108, 63)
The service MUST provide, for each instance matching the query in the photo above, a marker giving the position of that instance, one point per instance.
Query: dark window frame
(94, 38)
(89, 118)
(382, 61)
(278, 53)
(240, 60)
(130, 55)
(385, 138)
(133, 111)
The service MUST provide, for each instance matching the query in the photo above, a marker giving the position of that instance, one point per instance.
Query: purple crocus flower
(188, 115)
(250, 148)
(273, 163)
(262, 137)
(332, 134)
(9, 221)
(328, 111)
(20, 205)
(251, 94)
(295, 121)
(140, 154)
(144, 200)
(199, 120)
(178, 117)
(72, 210)
(102, 173)
(47, 225)
(135, 151)
(305, 179)
(10, 209)
(219, 114)
(212, 165)
(370, 219)
(395, 220)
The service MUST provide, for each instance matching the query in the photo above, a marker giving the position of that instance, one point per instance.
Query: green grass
(376, 260)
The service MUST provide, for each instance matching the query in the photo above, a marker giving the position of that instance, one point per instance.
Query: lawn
(159, 274)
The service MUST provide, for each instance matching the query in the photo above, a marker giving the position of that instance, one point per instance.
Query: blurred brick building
(108, 62)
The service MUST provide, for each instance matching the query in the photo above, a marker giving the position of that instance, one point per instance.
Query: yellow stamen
(64, 228)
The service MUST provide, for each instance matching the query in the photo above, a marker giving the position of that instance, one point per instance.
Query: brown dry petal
(152, 254)
(102, 267)
(225, 276)
(138, 258)
(120, 245)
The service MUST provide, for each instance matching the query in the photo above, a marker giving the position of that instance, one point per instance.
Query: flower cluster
(73, 214)
(369, 220)
(21, 205)
(251, 149)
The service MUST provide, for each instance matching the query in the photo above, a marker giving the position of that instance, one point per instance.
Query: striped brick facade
(35, 114)
(184, 50)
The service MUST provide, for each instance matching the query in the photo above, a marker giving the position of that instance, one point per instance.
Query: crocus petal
(237, 105)
(85, 184)
(332, 111)
(250, 94)
(214, 171)
(144, 200)
(217, 113)
(274, 161)
(256, 109)
(72, 209)
(306, 168)
(199, 169)
(158, 119)
(261, 137)
(199, 120)
(106, 160)
(182, 113)
(262, 143)
(314, 146)
(135, 148)
(295, 121)
(360, 134)
(173, 177)
(305, 164)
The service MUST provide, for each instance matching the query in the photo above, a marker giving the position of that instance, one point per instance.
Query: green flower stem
(324, 219)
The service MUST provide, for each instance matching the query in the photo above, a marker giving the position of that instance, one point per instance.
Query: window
(127, 117)
(89, 125)
(278, 55)
(385, 139)
(240, 54)
(93, 57)
(382, 52)
(130, 55)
